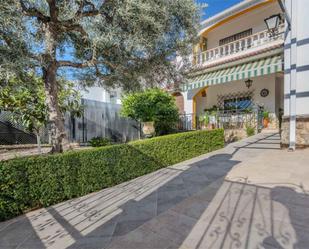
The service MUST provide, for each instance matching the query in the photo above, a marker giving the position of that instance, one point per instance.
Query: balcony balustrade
(250, 43)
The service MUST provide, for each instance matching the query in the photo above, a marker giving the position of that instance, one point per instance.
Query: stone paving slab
(248, 195)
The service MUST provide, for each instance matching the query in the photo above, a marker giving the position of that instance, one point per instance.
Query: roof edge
(227, 13)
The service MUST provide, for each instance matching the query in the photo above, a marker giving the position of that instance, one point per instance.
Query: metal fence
(99, 120)
(103, 120)
(236, 119)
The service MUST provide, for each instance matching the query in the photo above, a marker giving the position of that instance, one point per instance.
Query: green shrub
(152, 105)
(99, 141)
(38, 181)
(250, 130)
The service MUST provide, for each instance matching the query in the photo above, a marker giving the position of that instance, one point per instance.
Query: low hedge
(40, 181)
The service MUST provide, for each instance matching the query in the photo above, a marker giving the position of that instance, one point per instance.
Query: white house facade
(241, 64)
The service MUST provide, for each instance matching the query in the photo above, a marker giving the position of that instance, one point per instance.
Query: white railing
(248, 43)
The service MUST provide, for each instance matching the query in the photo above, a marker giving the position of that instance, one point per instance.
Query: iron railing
(226, 119)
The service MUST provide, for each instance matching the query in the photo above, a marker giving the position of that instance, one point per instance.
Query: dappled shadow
(95, 220)
(187, 205)
(141, 200)
(249, 216)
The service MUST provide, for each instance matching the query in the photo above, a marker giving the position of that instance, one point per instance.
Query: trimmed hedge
(40, 181)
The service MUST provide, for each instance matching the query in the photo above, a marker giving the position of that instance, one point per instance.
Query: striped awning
(244, 71)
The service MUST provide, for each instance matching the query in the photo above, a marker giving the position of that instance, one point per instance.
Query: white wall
(299, 60)
(100, 94)
(188, 103)
(302, 103)
(254, 19)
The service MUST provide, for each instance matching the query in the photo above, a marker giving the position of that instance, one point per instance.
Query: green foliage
(126, 43)
(152, 105)
(250, 130)
(38, 181)
(266, 114)
(99, 141)
(25, 97)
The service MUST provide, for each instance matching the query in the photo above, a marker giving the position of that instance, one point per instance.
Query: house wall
(253, 19)
(296, 88)
(188, 101)
(100, 94)
(272, 103)
(268, 82)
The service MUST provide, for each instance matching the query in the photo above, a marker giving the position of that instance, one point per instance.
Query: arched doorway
(179, 102)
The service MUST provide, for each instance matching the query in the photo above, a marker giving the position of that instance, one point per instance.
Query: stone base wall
(302, 131)
(233, 135)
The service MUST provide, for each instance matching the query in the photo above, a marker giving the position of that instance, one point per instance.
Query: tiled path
(248, 195)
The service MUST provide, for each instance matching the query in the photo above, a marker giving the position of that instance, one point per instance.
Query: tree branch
(92, 12)
(33, 12)
(68, 26)
(65, 63)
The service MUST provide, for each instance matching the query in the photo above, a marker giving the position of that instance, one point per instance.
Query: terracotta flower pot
(265, 122)
(148, 129)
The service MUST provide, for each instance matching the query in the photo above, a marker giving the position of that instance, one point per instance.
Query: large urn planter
(148, 129)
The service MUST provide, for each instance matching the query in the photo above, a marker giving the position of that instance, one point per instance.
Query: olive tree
(117, 43)
(24, 98)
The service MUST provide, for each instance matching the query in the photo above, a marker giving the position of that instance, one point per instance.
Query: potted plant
(265, 119)
(204, 121)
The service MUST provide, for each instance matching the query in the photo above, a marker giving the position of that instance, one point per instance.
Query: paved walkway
(248, 195)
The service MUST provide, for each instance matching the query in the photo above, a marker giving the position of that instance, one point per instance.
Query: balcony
(255, 43)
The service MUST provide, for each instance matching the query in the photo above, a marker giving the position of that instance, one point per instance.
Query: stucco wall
(100, 94)
(188, 102)
(272, 102)
(259, 83)
(253, 19)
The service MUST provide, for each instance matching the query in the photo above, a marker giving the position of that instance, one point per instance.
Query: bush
(99, 141)
(153, 105)
(250, 131)
(38, 181)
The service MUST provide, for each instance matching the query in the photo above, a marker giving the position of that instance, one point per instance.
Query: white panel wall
(302, 87)
(299, 12)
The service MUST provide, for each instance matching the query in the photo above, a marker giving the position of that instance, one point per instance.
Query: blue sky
(215, 6)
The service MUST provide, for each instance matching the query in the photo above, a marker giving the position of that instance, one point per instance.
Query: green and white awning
(240, 72)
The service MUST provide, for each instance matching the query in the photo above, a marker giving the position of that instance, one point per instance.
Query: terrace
(250, 45)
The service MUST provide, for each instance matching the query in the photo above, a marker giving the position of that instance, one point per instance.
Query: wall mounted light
(248, 83)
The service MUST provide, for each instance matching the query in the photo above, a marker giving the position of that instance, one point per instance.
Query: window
(237, 103)
(235, 37)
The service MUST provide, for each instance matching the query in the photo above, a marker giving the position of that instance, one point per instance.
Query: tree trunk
(38, 141)
(55, 119)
